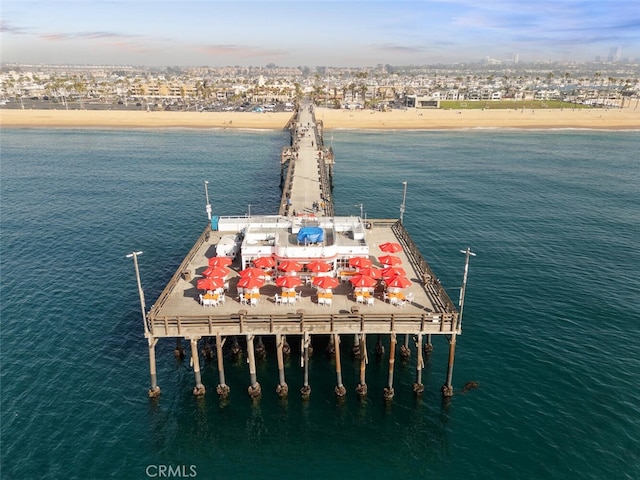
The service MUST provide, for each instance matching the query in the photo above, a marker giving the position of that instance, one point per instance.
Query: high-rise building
(615, 53)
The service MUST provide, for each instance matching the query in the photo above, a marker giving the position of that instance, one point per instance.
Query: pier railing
(438, 294)
(325, 186)
(297, 323)
(182, 272)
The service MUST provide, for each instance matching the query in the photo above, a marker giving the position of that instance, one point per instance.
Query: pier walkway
(304, 233)
(307, 185)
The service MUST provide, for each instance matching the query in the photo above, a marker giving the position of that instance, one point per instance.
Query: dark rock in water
(470, 386)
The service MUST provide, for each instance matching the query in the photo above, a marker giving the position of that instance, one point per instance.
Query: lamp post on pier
(468, 253)
(208, 206)
(447, 388)
(134, 255)
(154, 389)
(404, 198)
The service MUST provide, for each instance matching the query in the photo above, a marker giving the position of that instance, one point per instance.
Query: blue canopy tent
(308, 235)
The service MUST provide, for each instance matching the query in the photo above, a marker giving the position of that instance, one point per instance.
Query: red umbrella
(390, 247)
(399, 282)
(390, 272)
(390, 260)
(288, 281)
(372, 272)
(362, 281)
(220, 261)
(319, 266)
(210, 283)
(252, 272)
(264, 262)
(216, 272)
(326, 282)
(250, 282)
(290, 266)
(359, 262)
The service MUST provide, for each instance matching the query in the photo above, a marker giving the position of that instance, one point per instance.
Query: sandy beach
(426, 119)
(418, 119)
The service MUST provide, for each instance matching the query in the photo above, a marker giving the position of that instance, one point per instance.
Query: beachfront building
(422, 101)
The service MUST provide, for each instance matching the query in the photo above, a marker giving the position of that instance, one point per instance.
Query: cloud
(403, 49)
(243, 51)
(6, 27)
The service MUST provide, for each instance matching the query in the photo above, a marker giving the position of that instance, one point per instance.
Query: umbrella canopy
(290, 266)
(252, 272)
(390, 247)
(288, 281)
(220, 261)
(359, 262)
(216, 272)
(264, 262)
(319, 266)
(326, 282)
(399, 282)
(362, 281)
(372, 272)
(250, 282)
(390, 260)
(210, 283)
(390, 272)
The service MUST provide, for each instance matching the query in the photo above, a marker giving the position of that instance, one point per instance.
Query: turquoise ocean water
(551, 324)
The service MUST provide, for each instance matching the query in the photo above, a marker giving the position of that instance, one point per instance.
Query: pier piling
(179, 351)
(447, 388)
(339, 390)
(388, 390)
(306, 388)
(222, 389)
(361, 389)
(154, 389)
(418, 387)
(282, 389)
(199, 389)
(254, 388)
(405, 352)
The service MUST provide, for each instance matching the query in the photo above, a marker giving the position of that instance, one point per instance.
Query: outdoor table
(398, 295)
(210, 300)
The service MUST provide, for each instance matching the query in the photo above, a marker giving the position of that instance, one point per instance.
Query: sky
(314, 32)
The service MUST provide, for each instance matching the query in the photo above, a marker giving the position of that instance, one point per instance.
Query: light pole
(447, 388)
(134, 255)
(404, 198)
(468, 253)
(361, 205)
(154, 389)
(206, 193)
(249, 209)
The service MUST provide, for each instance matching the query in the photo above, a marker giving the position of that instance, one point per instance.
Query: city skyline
(365, 33)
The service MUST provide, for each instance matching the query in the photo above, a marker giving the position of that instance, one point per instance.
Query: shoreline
(410, 119)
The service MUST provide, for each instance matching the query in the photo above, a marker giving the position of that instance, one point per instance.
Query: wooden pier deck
(177, 312)
(306, 202)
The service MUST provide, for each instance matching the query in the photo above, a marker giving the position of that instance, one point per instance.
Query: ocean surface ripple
(551, 318)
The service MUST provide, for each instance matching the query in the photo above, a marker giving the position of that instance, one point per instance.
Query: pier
(298, 274)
